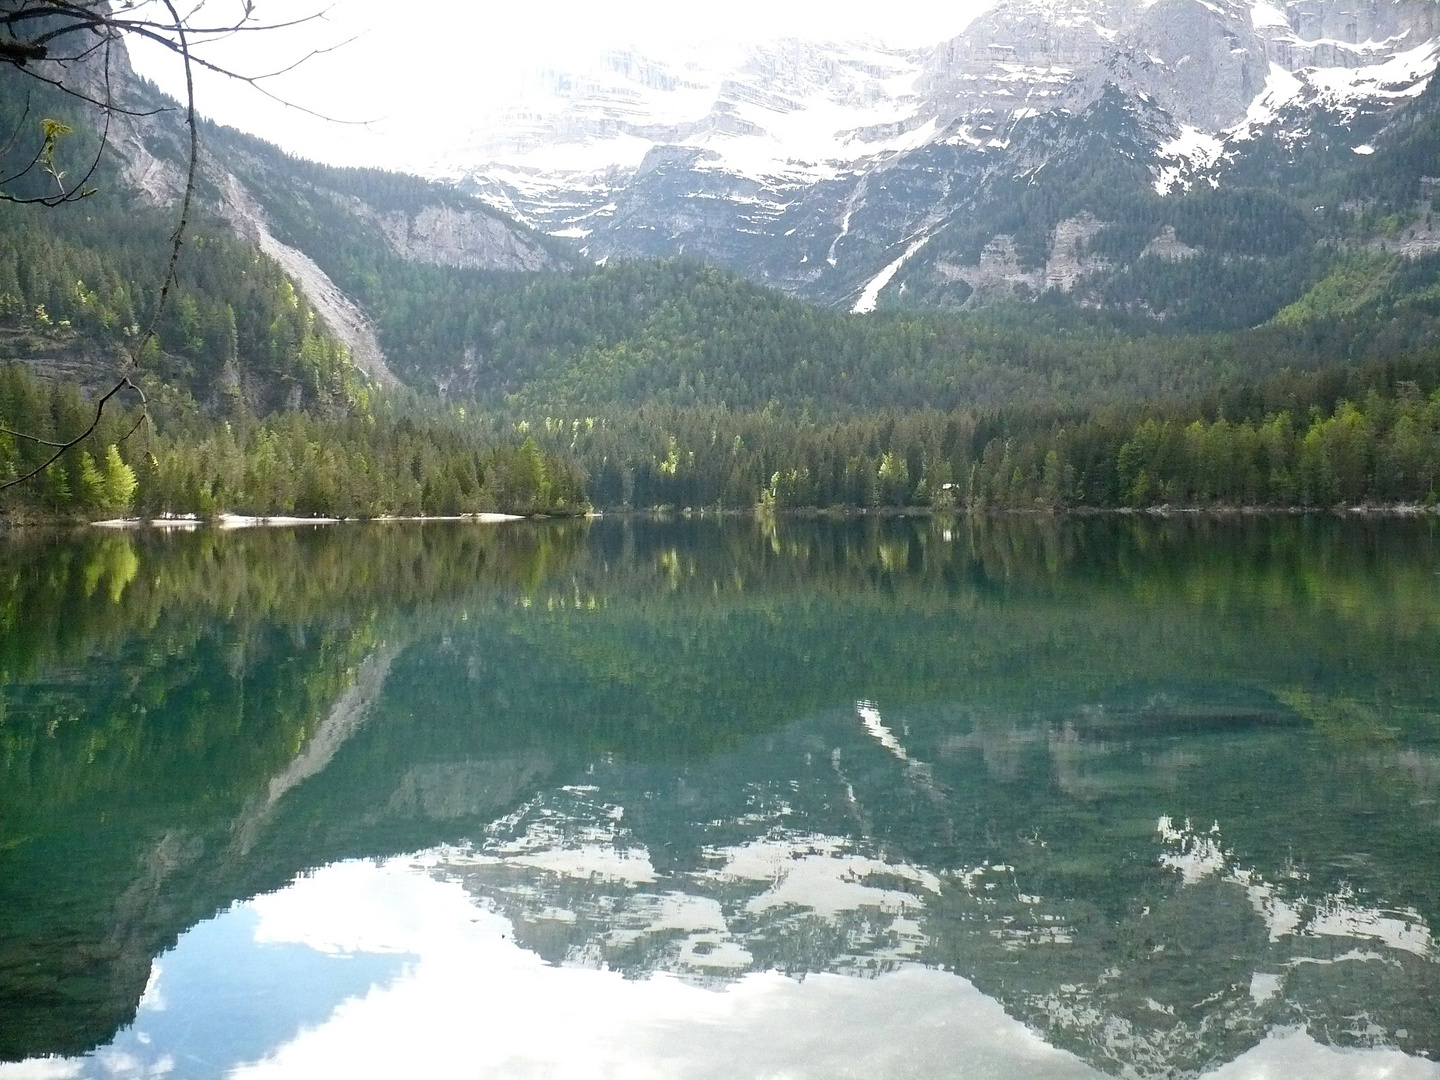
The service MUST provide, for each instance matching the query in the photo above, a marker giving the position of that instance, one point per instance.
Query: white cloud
(477, 1004)
(417, 69)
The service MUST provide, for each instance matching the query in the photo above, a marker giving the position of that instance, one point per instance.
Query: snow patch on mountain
(1403, 76)
(870, 295)
(1190, 153)
(1264, 16)
(1281, 89)
(1286, 110)
(786, 109)
(817, 166)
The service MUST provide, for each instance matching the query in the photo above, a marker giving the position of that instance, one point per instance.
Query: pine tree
(118, 481)
(55, 484)
(92, 483)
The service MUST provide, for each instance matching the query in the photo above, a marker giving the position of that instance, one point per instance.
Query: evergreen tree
(118, 481)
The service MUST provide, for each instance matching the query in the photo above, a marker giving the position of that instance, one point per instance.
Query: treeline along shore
(1337, 437)
(361, 464)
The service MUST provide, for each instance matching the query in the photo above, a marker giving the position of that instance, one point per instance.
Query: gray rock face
(466, 239)
(1203, 67)
(999, 270)
(1354, 22)
(745, 167)
(341, 315)
(1167, 247)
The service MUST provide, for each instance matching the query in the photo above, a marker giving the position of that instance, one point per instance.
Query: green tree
(92, 483)
(118, 481)
(55, 487)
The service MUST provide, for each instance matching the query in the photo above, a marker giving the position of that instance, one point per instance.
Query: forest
(673, 383)
(359, 465)
(1337, 437)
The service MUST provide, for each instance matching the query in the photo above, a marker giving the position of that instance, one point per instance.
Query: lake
(1121, 796)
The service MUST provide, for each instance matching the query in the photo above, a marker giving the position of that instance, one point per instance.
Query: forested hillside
(680, 333)
(1339, 436)
(87, 273)
(534, 378)
(238, 334)
(252, 402)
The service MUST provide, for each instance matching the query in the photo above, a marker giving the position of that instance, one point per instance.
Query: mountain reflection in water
(1004, 798)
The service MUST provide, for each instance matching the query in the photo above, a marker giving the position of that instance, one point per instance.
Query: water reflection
(227, 995)
(890, 799)
(473, 1002)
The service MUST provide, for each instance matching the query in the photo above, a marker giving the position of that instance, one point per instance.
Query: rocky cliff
(859, 175)
(255, 189)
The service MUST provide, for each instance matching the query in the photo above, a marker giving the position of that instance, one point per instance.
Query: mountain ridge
(815, 168)
(429, 286)
(279, 204)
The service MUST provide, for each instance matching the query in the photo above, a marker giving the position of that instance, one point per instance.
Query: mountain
(256, 316)
(1007, 161)
(1186, 217)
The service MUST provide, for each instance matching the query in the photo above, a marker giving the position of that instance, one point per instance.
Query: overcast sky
(416, 67)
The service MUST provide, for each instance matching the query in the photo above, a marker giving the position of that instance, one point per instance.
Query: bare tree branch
(29, 33)
(31, 438)
(252, 81)
(63, 447)
(44, 156)
(110, 107)
(98, 19)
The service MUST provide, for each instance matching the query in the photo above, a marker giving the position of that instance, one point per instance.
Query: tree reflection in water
(1161, 789)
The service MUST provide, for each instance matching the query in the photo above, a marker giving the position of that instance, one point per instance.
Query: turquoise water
(929, 798)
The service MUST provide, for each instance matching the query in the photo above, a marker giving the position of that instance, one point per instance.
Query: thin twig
(178, 238)
(19, 129)
(79, 191)
(30, 438)
(252, 81)
(108, 106)
(60, 452)
(144, 416)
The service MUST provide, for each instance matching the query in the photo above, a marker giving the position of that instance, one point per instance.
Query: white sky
(417, 67)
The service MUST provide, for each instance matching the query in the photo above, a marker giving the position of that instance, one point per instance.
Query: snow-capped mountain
(785, 110)
(993, 162)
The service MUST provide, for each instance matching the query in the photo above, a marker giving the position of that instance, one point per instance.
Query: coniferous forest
(674, 383)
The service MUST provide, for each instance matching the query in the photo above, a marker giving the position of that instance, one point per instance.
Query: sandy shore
(482, 518)
(242, 521)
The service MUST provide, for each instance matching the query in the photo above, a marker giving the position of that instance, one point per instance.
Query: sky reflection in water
(381, 970)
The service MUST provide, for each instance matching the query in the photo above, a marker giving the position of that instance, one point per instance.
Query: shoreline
(1394, 510)
(227, 522)
(230, 522)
